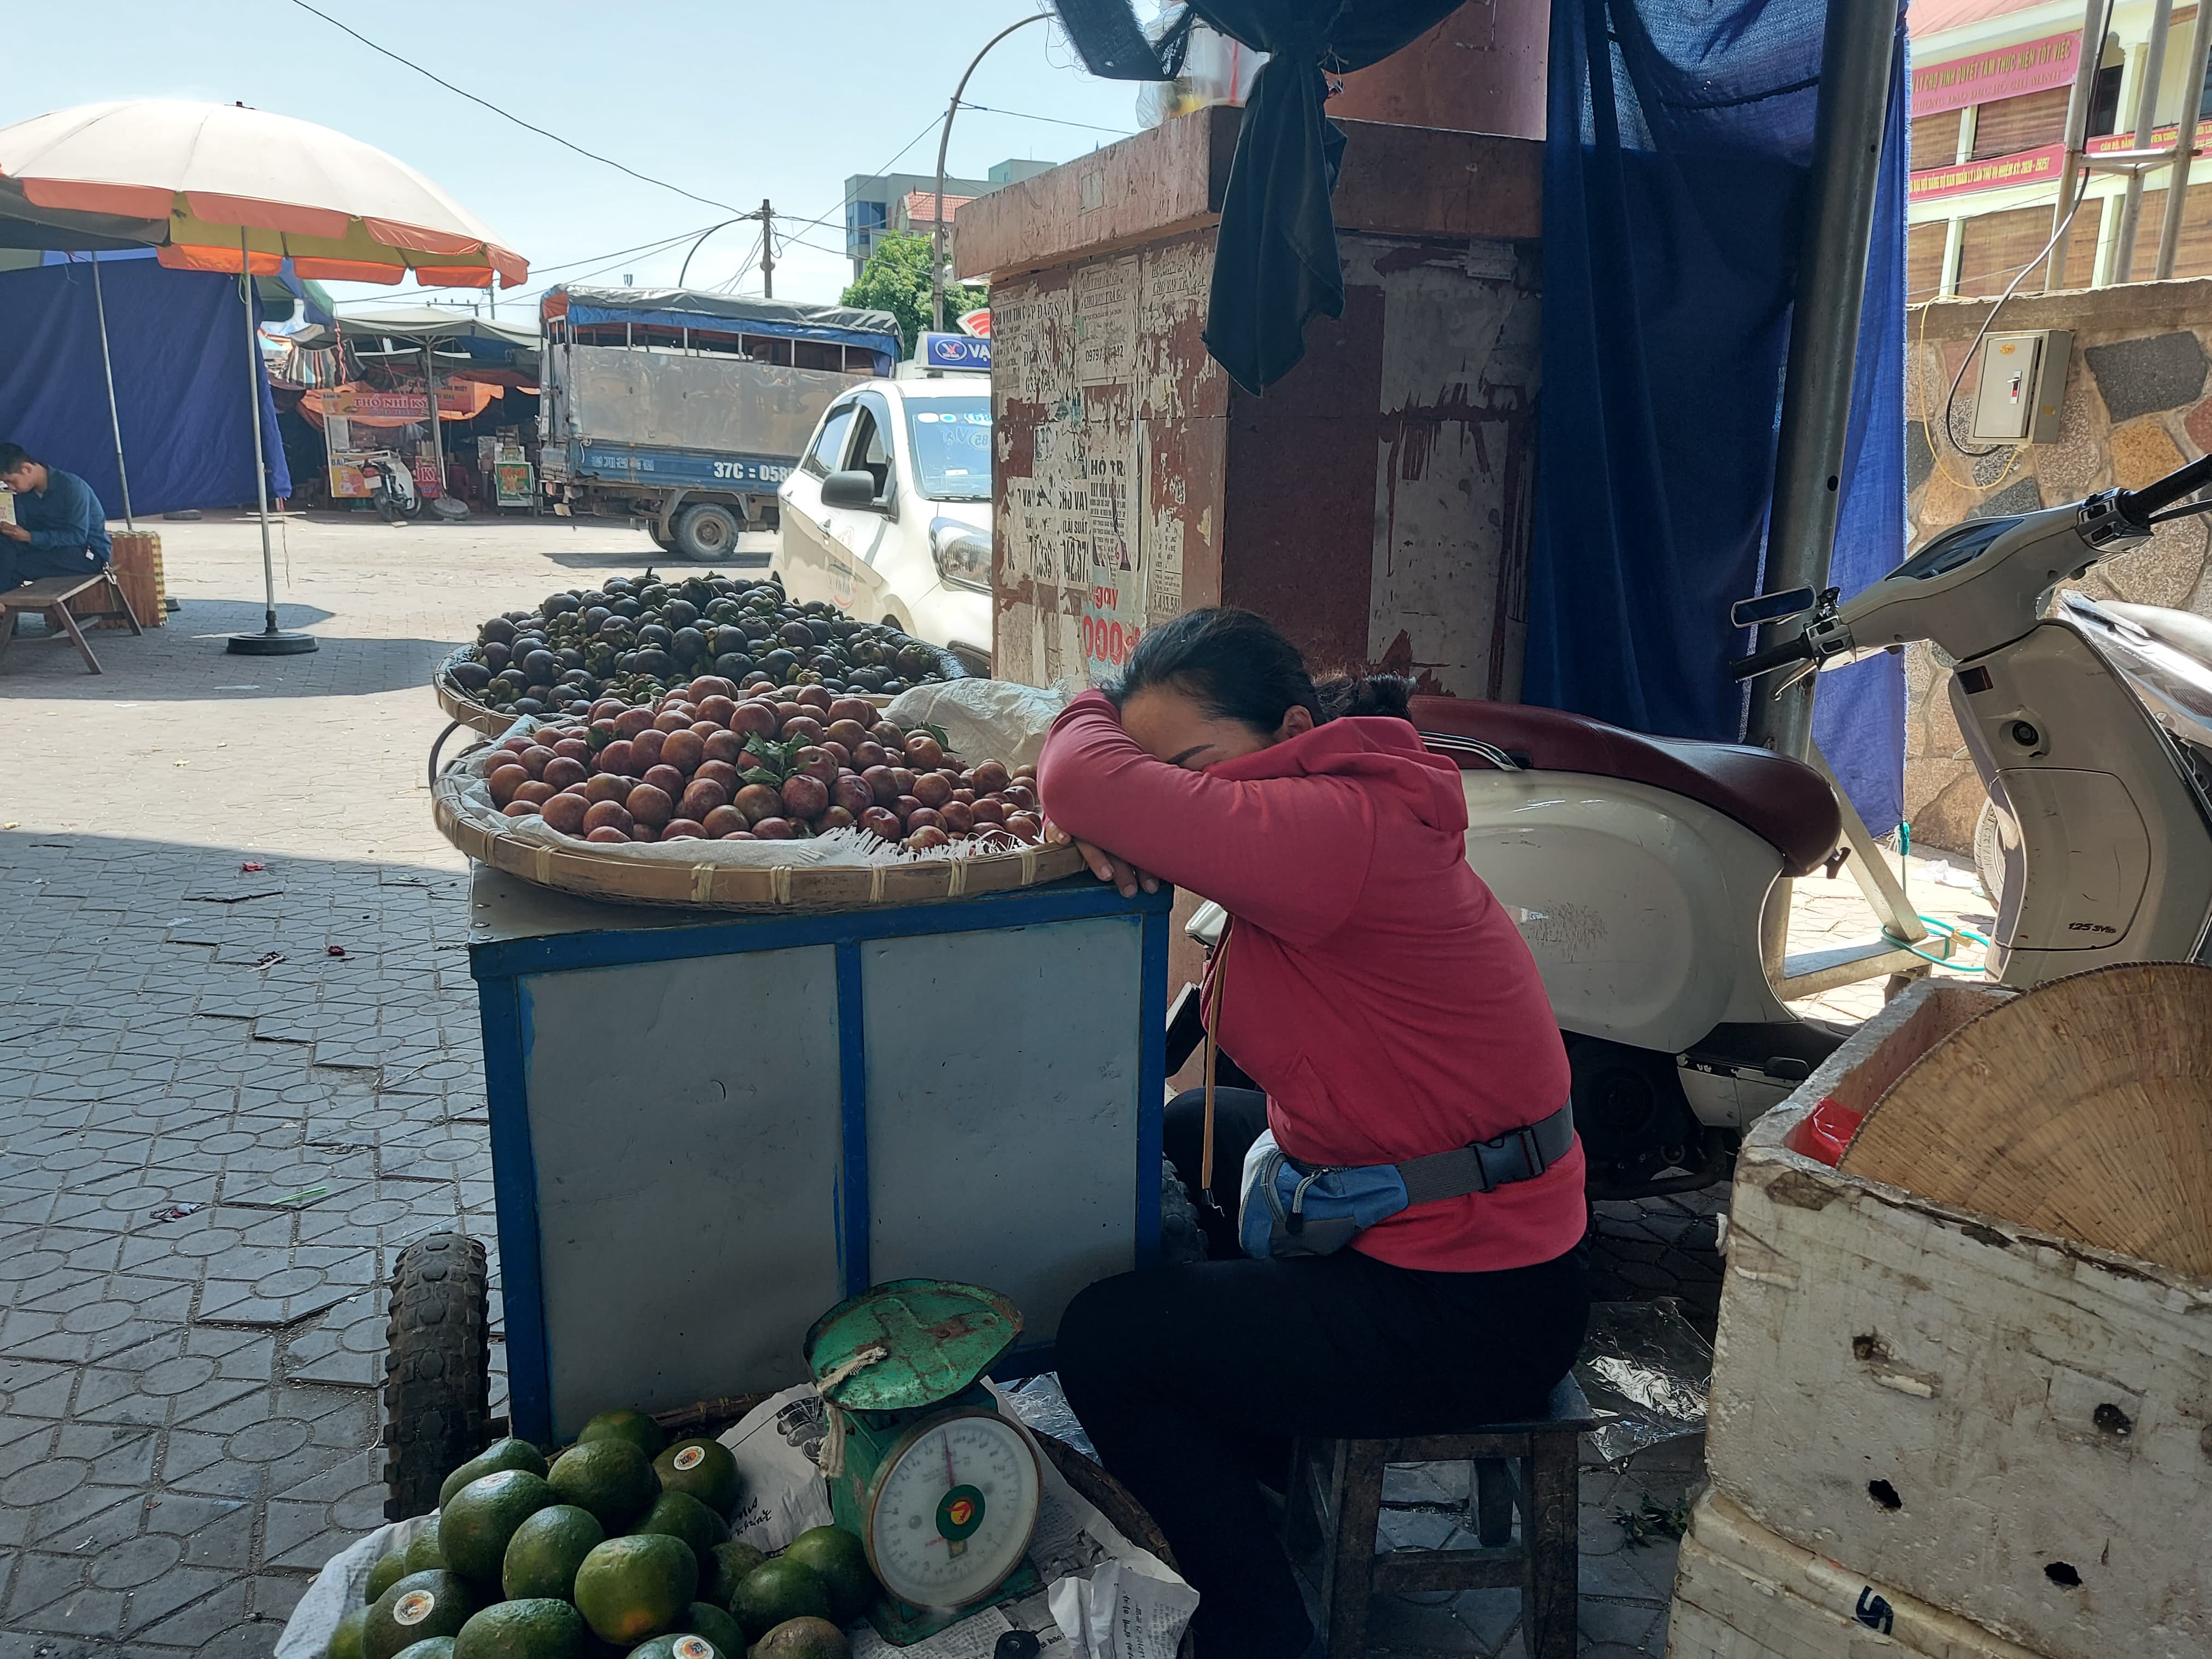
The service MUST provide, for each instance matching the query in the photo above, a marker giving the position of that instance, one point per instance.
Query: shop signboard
(956, 351)
(2027, 167)
(2043, 165)
(1982, 77)
(512, 483)
(359, 422)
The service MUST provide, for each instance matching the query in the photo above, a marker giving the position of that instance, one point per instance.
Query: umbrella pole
(271, 642)
(114, 415)
(437, 438)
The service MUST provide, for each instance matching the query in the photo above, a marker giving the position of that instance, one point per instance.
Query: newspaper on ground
(1103, 1596)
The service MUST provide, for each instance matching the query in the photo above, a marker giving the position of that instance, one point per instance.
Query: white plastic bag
(982, 719)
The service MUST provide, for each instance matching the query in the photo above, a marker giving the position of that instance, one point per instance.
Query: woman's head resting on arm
(1215, 684)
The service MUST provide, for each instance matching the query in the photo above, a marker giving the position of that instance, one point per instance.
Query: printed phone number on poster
(1105, 640)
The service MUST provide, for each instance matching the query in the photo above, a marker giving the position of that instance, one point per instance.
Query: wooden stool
(52, 594)
(1336, 1499)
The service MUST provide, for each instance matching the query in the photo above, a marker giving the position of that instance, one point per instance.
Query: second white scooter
(1639, 868)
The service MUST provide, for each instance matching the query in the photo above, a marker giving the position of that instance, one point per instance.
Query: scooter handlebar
(1778, 656)
(2138, 505)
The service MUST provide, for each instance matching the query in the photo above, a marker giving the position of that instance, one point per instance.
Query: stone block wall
(2137, 405)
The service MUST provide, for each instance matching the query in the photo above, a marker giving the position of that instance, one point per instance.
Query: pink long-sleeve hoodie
(1375, 988)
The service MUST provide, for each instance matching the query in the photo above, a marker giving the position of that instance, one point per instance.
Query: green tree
(897, 279)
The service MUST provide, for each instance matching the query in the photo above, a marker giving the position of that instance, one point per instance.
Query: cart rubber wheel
(705, 533)
(1182, 1239)
(437, 1376)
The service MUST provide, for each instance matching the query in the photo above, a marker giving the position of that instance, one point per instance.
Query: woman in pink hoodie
(1388, 1009)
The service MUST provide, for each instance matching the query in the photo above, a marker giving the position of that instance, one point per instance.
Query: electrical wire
(509, 115)
(1950, 402)
(600, 260)
(834, 212)
(2181, 512)
(1019, 115)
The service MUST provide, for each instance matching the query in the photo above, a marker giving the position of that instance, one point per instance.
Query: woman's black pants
(1191, 1380)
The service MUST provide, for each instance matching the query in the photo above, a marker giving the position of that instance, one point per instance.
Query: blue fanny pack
(1291, 1208)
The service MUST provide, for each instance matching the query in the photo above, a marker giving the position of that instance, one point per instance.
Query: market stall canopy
(205, 176)
(485, 341)
(876, 331)
(23, 225)
(430, 326)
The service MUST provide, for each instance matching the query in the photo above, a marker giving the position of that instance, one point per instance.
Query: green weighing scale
(941, 1488)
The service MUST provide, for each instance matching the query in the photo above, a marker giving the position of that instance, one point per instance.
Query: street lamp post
(936, 229)
(766, 217)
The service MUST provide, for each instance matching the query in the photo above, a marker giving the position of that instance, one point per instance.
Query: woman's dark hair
(1240, 667)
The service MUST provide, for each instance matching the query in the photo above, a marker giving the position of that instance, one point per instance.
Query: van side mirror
(854, 489)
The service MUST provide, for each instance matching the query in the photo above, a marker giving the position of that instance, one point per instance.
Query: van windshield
(951, 439)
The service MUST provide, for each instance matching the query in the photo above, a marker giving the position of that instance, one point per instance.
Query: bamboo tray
(458, 705)
(479, 717)
(720, 880)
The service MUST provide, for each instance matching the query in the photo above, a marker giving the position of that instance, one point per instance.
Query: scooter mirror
(1771, 607)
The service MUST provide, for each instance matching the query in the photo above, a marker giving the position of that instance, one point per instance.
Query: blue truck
(683, 410)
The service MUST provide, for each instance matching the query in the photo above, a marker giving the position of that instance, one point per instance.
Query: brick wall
(2137, 407)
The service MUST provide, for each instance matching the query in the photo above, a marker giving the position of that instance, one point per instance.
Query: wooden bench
(52, 594)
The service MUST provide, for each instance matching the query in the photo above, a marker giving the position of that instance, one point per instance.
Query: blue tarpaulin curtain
(179, 349)
(1678, 142)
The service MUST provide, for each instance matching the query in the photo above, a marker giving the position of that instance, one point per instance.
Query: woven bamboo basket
(2078, 1108)
(458, 705)
(593, 870)
(477, 717)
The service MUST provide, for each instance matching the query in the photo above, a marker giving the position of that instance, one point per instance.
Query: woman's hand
(1125, 876)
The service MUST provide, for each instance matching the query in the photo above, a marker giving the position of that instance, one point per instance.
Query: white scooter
(1638, 867)
(391, 488)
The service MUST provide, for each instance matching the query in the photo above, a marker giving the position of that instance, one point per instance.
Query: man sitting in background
(60, 528)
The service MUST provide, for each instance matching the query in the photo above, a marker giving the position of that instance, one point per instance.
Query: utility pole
(766, 217)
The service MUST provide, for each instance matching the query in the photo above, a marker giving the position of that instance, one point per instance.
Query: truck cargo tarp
(177, 341)
(876, 331)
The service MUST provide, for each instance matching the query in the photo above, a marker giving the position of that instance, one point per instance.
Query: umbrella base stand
(272, 642)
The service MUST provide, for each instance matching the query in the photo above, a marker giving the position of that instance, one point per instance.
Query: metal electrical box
(2022, 388)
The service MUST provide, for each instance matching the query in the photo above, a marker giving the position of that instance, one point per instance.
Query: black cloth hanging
(1275, 260)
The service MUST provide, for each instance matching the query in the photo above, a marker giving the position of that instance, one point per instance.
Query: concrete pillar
(1480, 70)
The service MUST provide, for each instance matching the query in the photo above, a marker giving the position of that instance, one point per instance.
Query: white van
(888, 515)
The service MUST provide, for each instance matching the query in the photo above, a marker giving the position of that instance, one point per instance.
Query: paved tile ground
(215, 1134)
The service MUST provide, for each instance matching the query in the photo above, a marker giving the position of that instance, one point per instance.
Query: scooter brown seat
(1784, 801)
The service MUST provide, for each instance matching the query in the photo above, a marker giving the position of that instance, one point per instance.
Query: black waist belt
(1519, 1154)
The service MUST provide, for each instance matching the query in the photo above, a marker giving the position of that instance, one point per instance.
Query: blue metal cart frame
(526, 939)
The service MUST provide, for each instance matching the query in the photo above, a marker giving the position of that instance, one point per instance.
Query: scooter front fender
(1640, 906)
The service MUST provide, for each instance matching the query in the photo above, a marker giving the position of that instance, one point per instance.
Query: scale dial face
(952, 1510)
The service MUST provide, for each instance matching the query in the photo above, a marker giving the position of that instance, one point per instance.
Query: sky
(732, 101)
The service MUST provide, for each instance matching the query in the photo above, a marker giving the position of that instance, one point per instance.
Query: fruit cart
(706, 1128)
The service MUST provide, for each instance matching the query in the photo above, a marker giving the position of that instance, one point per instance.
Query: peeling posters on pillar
(1088, 558)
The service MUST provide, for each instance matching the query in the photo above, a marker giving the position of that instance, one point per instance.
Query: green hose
(1950, 930)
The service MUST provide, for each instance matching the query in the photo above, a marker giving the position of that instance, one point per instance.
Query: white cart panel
(687, 1196)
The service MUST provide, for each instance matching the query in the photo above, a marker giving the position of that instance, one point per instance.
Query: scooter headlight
(962, 554)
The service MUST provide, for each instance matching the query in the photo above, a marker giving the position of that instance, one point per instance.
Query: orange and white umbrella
(233, 185)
